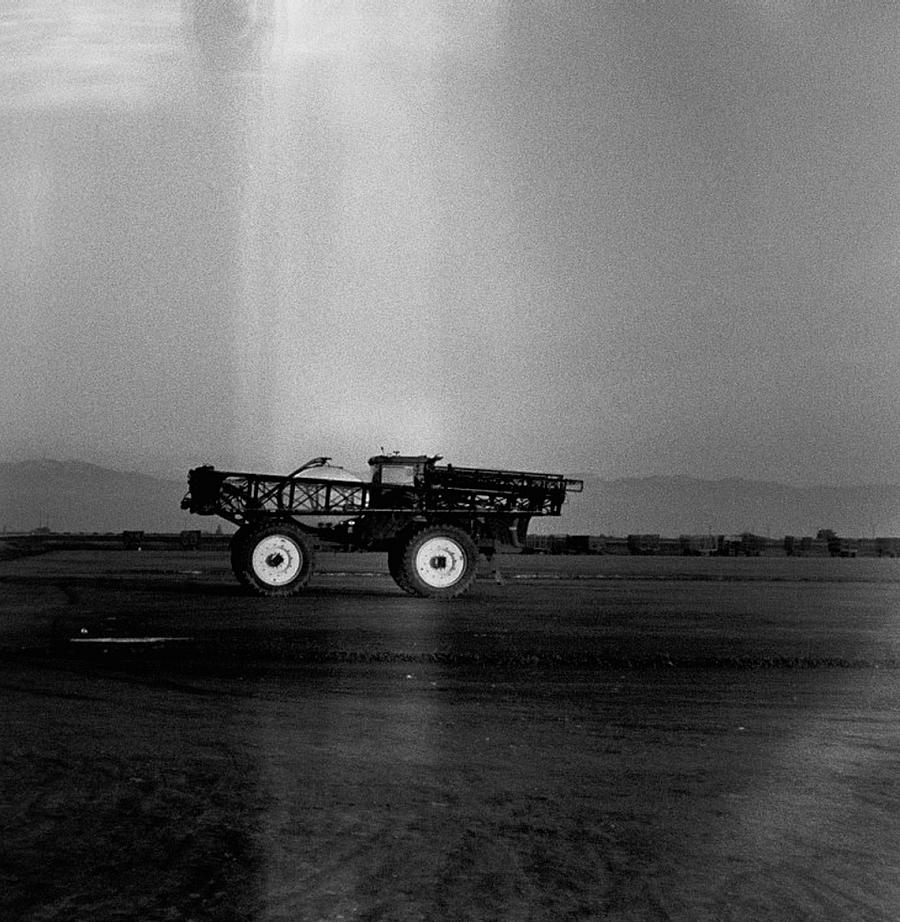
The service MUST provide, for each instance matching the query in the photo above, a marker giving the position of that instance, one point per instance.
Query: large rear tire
(237, 548)
(437, 562)
(273, 558)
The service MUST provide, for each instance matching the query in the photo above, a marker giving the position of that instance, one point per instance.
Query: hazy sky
(624, 238)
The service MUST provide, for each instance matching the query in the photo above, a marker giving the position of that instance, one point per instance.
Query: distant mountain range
(77, 497)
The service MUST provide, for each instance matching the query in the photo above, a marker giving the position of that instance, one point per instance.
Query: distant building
(697, 545)
(878, 547)
(190, 539)
(825, 544)
(613, 545)
(809, 547)
(644, 544)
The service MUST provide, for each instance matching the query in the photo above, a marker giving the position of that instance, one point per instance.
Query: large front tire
(437, 562)
(273, 559)
(395, 564)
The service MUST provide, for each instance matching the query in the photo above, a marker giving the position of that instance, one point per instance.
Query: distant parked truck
(432, 520)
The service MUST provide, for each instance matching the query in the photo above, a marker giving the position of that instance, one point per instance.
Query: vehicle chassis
(432, 520)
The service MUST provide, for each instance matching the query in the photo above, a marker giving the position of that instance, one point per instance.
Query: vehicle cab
(398, 480)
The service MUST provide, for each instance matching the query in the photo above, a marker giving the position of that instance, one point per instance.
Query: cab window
(398, 475)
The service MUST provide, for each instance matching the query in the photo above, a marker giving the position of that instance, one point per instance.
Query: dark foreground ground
(596, 739)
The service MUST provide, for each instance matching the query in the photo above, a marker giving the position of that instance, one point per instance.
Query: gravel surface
(595, 739)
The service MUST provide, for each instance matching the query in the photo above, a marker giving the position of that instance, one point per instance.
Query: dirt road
(677, 741)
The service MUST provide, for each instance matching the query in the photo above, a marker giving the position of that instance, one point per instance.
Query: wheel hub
(277, 560)
(440, 562)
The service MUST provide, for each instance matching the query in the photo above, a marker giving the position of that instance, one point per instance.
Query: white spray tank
(320, 469)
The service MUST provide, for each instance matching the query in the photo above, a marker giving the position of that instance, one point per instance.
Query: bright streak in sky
(617, 238)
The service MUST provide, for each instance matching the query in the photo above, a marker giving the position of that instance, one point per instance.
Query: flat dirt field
(599, 738)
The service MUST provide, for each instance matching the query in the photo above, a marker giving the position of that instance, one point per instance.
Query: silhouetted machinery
(432, 520)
